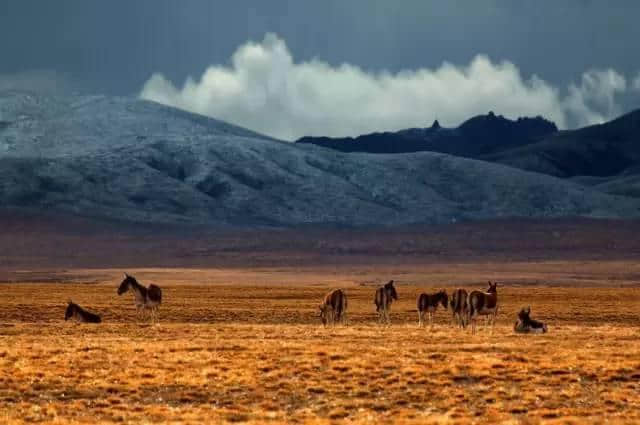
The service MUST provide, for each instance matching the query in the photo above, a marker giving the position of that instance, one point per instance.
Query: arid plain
(240, 341)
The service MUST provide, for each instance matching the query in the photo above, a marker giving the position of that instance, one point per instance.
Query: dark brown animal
(428, 304)
(526, 324)
(459, 307)
(145, 298)
(77, 313)
(383, 298)
(483, 304)
(334, 308)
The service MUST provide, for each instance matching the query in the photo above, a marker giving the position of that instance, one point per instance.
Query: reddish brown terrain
(40, 242)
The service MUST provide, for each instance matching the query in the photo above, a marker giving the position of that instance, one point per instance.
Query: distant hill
(605, 156)
(602, 150)
(138, 161)
(476, 137)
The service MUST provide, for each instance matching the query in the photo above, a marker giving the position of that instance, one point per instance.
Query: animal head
(493, 287)
(323, 313)
(444, 299)
(391, 290)
(69, 312)
(524, 314)
(124, 285)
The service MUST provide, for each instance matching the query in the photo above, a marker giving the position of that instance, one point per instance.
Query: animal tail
(470, 307)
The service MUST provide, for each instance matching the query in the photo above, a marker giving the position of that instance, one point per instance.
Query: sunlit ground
(245, 346)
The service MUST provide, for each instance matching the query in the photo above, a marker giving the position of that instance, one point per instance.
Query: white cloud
(636, 82)
(265, 90)
(594, 100)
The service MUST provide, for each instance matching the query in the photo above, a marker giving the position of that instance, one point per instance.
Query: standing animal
(428, 303)
(334, 308)
(459, 307)
(483, 304)
(383, 298)
(77, 313)
(526, 324)
(145, 298)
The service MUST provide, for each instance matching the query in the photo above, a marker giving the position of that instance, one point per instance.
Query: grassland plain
(244, 345)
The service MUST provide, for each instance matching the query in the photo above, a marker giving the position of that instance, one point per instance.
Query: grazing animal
(483, 304)
(428, 303)
(526, 324)
(334, 308)
(145, 298)
(383, 299)
(77, 313)
(459, 307)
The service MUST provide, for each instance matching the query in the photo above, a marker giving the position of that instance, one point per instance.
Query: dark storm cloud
(114, 47)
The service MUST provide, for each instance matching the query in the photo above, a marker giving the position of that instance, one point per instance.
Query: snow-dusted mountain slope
(140, 161)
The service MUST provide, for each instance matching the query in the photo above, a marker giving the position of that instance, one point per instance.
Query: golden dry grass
(245, 346)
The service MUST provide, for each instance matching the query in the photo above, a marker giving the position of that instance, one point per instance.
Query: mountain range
(479, 136)
(604, 156)
(131, 160)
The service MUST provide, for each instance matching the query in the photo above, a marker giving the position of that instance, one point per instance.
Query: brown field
(244, 345)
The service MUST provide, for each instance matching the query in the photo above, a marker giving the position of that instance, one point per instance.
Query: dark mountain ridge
(478, 136)
(604, 156)
(601, 150)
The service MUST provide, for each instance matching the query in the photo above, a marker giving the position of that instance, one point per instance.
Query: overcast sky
(341, 67)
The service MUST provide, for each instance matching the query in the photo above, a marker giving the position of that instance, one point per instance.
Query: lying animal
(77, 313)
(526, 325)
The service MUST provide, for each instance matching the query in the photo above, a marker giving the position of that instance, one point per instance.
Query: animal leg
(493, 318)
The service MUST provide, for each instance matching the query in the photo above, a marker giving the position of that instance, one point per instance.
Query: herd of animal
(466, 307)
